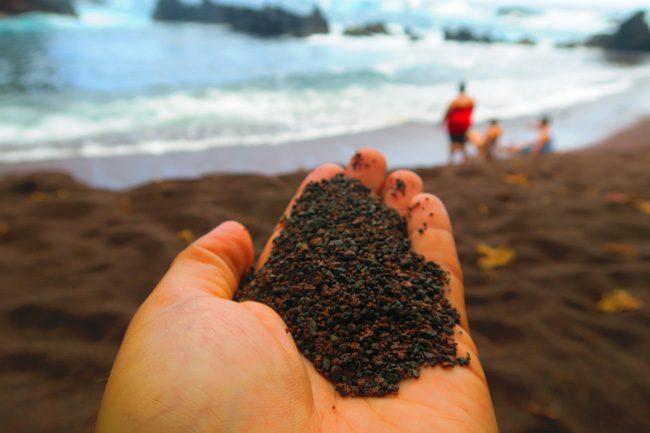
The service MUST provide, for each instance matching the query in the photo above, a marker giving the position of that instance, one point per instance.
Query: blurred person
(542, 145)
(458, 119)
(487, 143)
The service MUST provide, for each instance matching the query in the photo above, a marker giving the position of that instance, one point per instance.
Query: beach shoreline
(413, 144)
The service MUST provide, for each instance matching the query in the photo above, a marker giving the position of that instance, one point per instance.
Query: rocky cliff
(632, 35)
(265, 22)
(14, 7)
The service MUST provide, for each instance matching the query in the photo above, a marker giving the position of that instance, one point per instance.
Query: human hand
(193, 360)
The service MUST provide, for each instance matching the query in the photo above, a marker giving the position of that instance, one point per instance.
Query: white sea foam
(587, 21)
(182, 121)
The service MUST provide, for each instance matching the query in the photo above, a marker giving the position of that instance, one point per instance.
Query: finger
(400, 187)
(212, 264)
(325, 171)
(431, 234)
(423, 212)
(369, 166)
(427, 210)
(438, 245)
(455, 294)
(428, 214)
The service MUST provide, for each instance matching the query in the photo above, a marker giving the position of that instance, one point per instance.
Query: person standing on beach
(459, 119)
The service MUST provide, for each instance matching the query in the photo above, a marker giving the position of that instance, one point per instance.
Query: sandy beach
(130, 128)
(77, 261)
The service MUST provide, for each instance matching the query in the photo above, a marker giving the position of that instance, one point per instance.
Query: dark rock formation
(367, 30)
(265, 22)
(568, 44)
(599, 41)
(632, 35)
(412, 34)
(467, 35)
(527, 40)
(14, 7)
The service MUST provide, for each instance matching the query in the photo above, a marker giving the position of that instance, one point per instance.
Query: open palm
(193, 360)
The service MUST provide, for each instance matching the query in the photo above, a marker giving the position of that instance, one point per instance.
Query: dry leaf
(494, 257)
(4, 229)
(516, 179)
(562, 190)
(63, 193)
(483, 209)
(542, 412)
(627, 250)
(619, 300)
(125, 207)
(643, 206)
(618, 197)
(187, 235)
(37, 197)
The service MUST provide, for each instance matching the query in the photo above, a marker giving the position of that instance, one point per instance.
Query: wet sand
(77, 261)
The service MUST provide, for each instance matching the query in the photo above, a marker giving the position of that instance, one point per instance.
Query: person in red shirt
(459, 119)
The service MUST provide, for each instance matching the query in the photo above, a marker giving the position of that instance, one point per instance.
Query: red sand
(76, 262)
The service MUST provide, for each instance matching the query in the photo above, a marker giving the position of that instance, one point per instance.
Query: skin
(537, 145)
(463, 100)
(491, 140)
(193, 360)
(544, 137)
(485, 144)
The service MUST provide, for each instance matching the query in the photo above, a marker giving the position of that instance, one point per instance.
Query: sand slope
(76, 263)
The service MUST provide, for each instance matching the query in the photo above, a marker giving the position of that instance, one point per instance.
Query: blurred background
(114, 81)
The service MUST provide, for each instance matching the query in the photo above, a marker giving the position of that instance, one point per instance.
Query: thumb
(213, 264)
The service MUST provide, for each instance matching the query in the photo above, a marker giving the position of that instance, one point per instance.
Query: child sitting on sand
(543, 144)
(487, 144)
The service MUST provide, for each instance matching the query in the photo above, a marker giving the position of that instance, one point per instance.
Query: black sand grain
(362, 307)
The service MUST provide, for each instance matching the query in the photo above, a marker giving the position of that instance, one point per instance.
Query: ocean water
(114, 82)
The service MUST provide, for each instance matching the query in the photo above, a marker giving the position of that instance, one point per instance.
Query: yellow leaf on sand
(494, 257)
(187, 235)
(516, 179)
(627, 250)
(643, 206)
(618, 197)
(125, 207)
(619, 300)
(542, 412)
(37, 197)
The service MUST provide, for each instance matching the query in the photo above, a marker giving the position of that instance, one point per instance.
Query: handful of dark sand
(365, 309)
